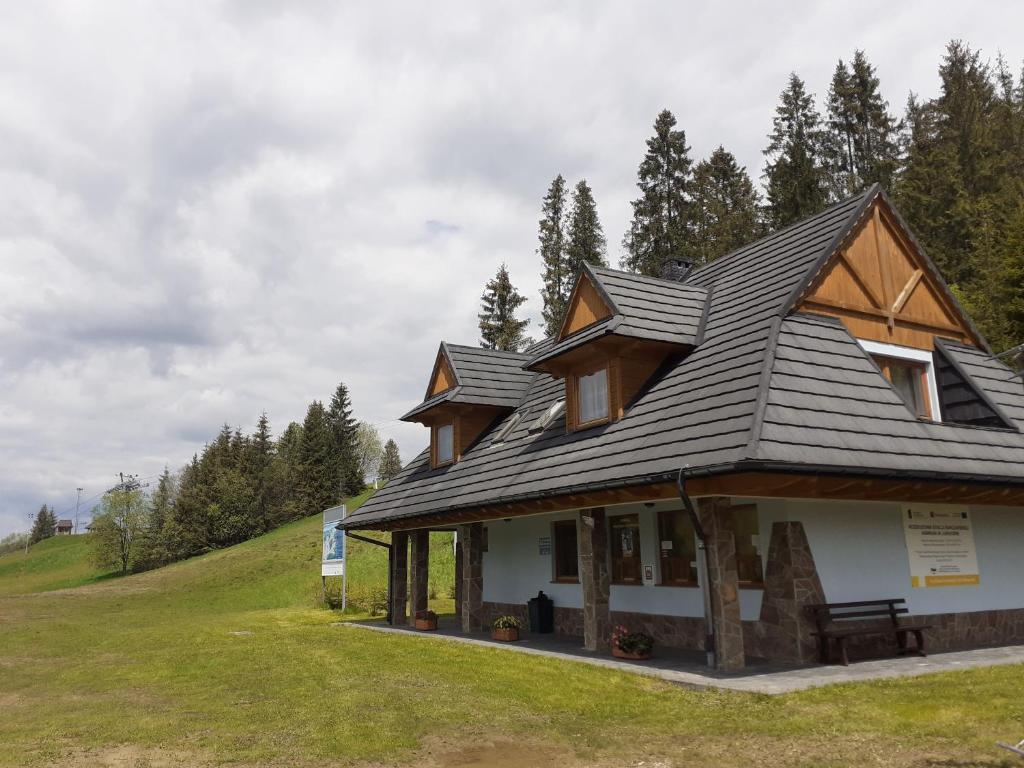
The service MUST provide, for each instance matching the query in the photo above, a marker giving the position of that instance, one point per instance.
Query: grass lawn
(226, 659)
(53, 563)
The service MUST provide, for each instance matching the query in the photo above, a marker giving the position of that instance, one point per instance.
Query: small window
(910, 379)
(445, 443)
(593, 396)
(677, 547)
(749, 569)
(566, 553)
(506, 430)
(625, 535)
(553, 412)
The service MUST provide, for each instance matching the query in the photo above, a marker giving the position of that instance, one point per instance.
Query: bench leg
(843, 658)
(901, 641)
(919, 637)
(823, 650)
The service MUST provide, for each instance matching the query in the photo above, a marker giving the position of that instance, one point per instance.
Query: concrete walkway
(687, 667)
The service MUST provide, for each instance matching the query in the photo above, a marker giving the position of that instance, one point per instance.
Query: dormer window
(592, 397)
(444, 444)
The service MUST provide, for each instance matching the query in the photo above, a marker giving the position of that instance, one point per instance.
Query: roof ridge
(764, 383)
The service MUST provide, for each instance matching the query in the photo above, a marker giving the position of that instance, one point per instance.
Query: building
(64, 527)
(841, 429)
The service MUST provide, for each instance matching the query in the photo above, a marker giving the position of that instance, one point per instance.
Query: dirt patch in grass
(498, 753)
(129, 756)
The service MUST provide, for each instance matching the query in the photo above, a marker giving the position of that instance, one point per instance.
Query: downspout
(703, 576)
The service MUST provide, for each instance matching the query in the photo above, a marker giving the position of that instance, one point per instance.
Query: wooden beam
(907, 290)
(862, 282)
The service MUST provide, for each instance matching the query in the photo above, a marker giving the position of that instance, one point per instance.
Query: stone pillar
(592, 532)
(791, 582)
(399, 576)
(716, 519)
(471, 542)
(458, 581)
(418, 572)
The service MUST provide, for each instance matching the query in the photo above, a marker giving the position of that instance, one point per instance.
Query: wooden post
(419, 572)
(471, 542)
(592, 533)
(399, 576)
(458, 580)
(716, 518)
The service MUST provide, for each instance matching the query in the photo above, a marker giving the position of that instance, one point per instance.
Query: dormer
(468, 390)
(619, 328)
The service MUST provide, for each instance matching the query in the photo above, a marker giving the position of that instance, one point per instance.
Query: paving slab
(687, 668)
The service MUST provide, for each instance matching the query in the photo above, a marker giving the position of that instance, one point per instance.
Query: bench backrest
(826, 614)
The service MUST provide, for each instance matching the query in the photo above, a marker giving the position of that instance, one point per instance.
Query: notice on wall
(332, 563)
(940, 545)
(544, 545)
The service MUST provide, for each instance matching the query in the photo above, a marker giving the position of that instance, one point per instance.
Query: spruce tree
(259, 458)
(586, 241)
(726, 207)
(662, 226)
(390, 462)
(795, 177)
(861, 135)
(557, 275)
(349, 479)
(153, 550)
(319, 485)
(499, 326)
(43, 525)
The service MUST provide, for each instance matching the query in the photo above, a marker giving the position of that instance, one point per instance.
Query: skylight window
(507, 429)
(553, 412)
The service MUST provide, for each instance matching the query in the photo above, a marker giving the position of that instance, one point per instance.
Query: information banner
(333, 560)
(940, 545)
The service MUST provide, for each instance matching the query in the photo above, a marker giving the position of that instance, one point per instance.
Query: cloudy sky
(208, 210)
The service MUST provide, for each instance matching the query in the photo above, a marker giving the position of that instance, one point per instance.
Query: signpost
(940, 545)
(332, 562)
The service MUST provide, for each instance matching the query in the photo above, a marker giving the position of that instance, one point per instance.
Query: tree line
(241, 486)
(954, 165)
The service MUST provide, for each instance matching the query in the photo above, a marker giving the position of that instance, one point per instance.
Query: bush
(632, 642)
(507, 622)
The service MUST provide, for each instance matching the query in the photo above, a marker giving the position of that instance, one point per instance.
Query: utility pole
(29, 537)
(78, 502)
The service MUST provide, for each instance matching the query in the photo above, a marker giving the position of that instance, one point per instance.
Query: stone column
(592, 533)
(716, 518)
(399, 576)
(791, 582)
(458, 581)
(471, 542)
(418, 572)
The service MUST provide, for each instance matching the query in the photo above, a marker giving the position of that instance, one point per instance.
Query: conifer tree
(390, 462)
(44, 525)
(586, 241)
(557, 275)
(499, 326)
(726, 207)
(259, 458)
(662, 226)
(153, 550)
(796, 180)
(319, 486)
(861, 136)
(349, 479)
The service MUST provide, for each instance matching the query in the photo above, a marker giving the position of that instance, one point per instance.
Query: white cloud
(208, 210)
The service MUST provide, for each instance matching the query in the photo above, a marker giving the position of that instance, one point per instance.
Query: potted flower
(506, 629)
(631, 645)
(426, 621)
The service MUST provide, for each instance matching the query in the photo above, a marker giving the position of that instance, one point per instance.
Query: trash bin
(542, 613)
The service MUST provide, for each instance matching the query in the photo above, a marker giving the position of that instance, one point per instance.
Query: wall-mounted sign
(332, 563)
(649, 574)
(544, 545)
(940, 546)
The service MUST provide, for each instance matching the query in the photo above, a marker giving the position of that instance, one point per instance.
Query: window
(567, 562)
(748, 545)
(677, 548)
(593, 396)
(506, 430)
(625, 534)
(444, 444)
(910, 379)
(553, 412)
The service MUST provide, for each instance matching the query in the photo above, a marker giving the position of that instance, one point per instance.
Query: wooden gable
(881, 288)
(586, 307)
(443, 377)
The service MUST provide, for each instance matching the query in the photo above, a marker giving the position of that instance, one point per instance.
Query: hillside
(55, 563)
(229, 659)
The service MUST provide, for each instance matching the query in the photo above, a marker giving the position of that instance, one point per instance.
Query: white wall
(859, 549)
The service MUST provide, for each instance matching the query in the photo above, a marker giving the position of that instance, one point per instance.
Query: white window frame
(910, 354)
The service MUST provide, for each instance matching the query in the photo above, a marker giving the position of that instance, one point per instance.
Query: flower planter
(505, 635)
(426, 625)
(621, 654)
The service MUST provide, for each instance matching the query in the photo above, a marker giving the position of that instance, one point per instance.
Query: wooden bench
(839, 621)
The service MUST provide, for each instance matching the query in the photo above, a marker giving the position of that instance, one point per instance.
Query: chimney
(675, 269)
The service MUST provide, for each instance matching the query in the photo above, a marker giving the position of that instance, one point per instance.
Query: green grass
(150, 670)
(55, 563)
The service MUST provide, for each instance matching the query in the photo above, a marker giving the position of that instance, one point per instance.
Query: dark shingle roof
(642, 308)
(759, 387)
(483, 377)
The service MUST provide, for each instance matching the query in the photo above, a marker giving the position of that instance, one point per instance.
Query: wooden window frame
(556, 578)
(662, 582)
(611, 552)
(884, 363)
(746, 584)
(435, 454)
(576, 402)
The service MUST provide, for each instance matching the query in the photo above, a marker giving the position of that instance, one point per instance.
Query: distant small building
(65, 527)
